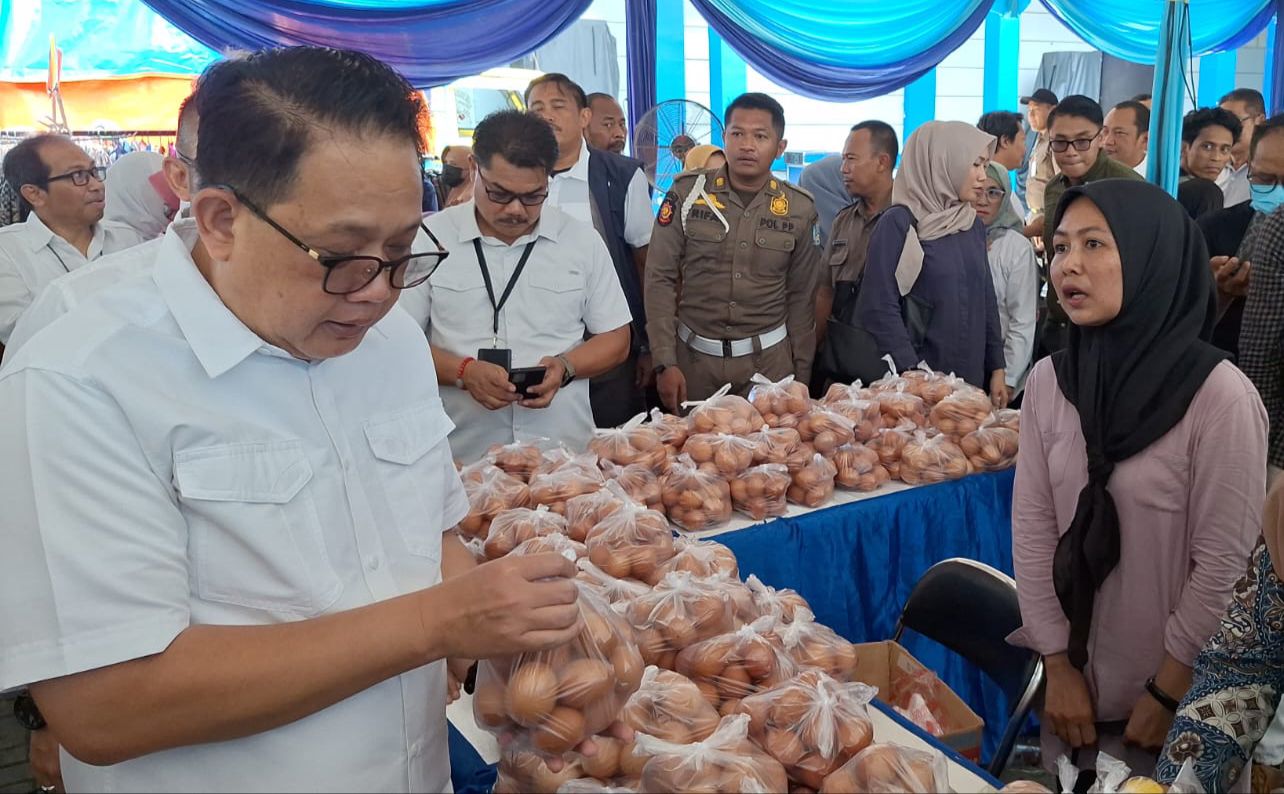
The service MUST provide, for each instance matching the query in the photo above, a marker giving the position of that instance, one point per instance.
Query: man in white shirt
(526, 280)
(228, 495)
(610, 192)
(1126, 135)
(62, 189)
(1249, 107)
(69, 289)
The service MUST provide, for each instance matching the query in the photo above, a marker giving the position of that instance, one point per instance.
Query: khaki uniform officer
(731, 282)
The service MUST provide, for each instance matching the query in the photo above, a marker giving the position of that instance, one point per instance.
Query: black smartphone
(525, 378)
(499, 356)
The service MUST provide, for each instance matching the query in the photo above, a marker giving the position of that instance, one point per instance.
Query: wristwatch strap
(26, 713)
(1164, 699)
(569, 369)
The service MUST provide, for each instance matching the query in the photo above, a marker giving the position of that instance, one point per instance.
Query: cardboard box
(880, 663)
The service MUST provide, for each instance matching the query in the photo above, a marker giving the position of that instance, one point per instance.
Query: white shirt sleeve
(1020, 302)
(605, 307)
(15, 296)
(95, 549)
(48, 306)
(638, 217)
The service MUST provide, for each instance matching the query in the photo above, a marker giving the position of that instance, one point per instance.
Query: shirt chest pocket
(414, 471)
(838, 250)
(457, 296)
(255, 533)
(773, 252)
(559, 295)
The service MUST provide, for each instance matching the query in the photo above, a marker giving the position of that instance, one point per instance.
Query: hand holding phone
(524, 378)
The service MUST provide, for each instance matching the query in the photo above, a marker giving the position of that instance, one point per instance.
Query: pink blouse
(1190, 508)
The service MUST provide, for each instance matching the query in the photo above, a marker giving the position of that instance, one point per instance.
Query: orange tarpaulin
(135, 103)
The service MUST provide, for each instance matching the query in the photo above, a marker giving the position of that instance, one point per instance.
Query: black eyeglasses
(1264, 183)
(345, 275)
(1060, 145)
(505, 197)
(80, 178)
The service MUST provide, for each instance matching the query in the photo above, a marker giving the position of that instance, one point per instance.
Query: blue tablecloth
(857, 563)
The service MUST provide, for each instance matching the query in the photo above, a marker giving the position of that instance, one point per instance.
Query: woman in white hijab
(926, 293)
(138, 195)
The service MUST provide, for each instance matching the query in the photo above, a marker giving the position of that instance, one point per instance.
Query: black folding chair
(971, 608)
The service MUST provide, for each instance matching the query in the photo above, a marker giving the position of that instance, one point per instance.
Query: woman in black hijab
(1141, 476)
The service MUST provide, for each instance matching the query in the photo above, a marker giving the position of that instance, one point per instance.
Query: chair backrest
(971, 608)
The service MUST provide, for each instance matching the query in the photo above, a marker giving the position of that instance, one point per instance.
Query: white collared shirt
(568, 287)
(569, 192)
(1141, 167)
(68, 290)
(161, 466)
(31, 256)
(1234, 184)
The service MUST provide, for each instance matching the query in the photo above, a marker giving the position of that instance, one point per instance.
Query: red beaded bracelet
(463, 365)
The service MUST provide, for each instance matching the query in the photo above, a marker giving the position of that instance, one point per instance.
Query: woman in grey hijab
(927, 294)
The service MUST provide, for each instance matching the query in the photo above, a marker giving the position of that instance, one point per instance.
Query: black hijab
(1133, 378)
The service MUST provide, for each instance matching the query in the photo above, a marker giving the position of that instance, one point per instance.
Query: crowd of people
(228, 454)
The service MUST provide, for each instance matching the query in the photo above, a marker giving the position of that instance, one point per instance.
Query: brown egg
(729, 707)
(605, 764)
(631, 764)
(791, 706)
(627, 664)
(584, 681)
(690, 500)
(532, 693)
(784, 746)
(488, 703)
(681, 632)
(734, 682)
(855, 735)
(598, 632)
(709, 692)
(562, 730)
(759, 660)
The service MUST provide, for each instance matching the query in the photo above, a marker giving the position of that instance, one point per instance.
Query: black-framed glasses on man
(1262, 182)
(1060, 145)
(345, 275)
(80, 177)
(505, 197)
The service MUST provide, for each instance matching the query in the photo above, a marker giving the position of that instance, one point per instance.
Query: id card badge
(500, 356)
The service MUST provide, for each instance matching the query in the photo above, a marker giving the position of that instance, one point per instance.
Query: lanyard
(490, 289)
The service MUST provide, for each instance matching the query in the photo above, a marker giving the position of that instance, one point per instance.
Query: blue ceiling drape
(845, 51)
(1129, 29)
(431, 42)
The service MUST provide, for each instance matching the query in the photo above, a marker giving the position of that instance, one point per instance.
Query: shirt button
(372, 562)
(761, 241)
(743, 244)
(737, 275)
(748, 214)
(732, 304)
